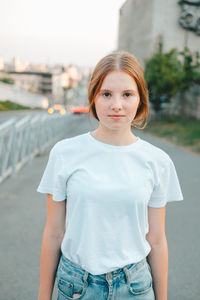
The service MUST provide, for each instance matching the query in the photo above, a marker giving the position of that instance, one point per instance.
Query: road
(22, 219)
(18, 114)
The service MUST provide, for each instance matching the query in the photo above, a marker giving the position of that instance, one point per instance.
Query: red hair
(126, 62)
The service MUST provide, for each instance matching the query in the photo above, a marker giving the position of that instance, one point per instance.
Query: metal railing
(21, 140)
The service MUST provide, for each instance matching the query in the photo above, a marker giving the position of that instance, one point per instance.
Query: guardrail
(21, 141)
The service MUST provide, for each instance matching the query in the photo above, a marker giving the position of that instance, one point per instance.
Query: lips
(116, 117)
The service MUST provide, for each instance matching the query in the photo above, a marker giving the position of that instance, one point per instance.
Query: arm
(51, 242)
(158, 257)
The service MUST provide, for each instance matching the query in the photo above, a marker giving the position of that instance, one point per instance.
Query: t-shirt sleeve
(52, 181)
(167, 187)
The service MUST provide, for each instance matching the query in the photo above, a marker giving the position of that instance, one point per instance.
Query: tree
(190, 76)
(162, 73)
(190, 69)
(169, 73)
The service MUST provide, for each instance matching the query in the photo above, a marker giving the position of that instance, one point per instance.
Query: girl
(107, 192)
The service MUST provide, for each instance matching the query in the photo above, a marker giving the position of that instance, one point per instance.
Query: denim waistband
(78, 271)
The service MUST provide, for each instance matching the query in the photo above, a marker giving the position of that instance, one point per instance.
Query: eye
(127, 94)
(106, 94)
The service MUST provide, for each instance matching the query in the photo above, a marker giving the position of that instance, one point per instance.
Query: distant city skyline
(58, 32)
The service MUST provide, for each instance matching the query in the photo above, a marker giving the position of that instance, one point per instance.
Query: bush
(7, 80)
(168, 73)
(8, 105)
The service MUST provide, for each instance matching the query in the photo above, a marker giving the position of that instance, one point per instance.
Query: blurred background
(48, 50)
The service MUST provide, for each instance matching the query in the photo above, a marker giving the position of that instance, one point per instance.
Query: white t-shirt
(108, 189)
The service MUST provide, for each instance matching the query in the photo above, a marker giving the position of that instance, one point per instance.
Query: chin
(119, 127)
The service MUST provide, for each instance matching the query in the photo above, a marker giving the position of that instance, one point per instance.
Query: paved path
(18, 114)
(22, 218)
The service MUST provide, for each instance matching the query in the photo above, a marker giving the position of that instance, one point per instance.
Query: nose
(116, 104)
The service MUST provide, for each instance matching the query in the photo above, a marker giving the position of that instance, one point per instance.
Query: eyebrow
(127, 90)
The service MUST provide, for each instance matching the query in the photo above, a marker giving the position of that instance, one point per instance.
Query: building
(17, 65)
(52, 84)
(36, 82)
(1, 64)
(145, 23)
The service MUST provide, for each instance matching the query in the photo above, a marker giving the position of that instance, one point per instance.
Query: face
(118, 96)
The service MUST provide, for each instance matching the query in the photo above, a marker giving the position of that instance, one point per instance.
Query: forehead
(118, 80)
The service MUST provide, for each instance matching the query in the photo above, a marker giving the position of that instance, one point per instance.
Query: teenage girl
(107, 192)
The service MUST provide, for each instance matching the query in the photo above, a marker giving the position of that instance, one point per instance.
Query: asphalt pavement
(19, 114)
(23, 213)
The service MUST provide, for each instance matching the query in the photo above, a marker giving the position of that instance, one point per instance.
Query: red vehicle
(79, 109)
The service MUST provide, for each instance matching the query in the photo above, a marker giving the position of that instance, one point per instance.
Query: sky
(58, 31)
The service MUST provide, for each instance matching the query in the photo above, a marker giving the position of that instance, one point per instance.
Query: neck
(114, 137)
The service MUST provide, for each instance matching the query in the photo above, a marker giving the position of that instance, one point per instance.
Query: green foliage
(186, 134)
(190, 69)
(168, 73)
(8, 105)
(7, 80)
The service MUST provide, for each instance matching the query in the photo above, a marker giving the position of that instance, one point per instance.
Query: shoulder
(155, 154)
(69, 144)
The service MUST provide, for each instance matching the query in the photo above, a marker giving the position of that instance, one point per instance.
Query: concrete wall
(187, 104)
(166, 24)
(144, 22)
(136, 27)
(15, 94)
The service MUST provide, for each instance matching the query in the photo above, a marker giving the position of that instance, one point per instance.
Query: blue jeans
(133, 281)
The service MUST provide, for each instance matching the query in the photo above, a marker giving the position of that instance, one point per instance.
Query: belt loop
(126, 274)
(85, 277)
